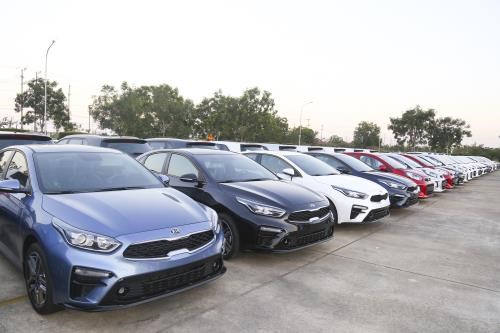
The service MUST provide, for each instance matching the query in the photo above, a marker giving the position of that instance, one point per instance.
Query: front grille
(430, 189)
(137, 288)
(411, 189)
(376, 214)
(295, 241)
(161, 248)
(443, 184)
(379, 197)
(306, 215)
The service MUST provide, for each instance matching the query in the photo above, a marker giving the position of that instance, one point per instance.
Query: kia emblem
(175, 231)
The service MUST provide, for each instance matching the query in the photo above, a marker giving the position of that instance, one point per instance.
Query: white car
(353, 199)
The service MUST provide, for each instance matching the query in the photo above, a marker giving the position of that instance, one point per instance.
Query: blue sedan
(93, 229)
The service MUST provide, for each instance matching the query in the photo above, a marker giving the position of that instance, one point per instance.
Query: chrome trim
(175, 252)
(314, 220)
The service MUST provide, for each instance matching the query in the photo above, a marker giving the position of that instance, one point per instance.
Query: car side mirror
(164, 179)
(189, 178)
(286, 174)
(344, 170)
(11, 186)
(382, 168)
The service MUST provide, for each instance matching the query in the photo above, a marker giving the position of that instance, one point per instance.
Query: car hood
(352, 183)
(391, 177)
(116, 213)
(274, 192)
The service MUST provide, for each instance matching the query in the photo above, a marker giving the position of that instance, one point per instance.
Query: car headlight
(393, 184)
(261, 209)
(214, 219)
(85, 240)
(351, 193)
(414, 175)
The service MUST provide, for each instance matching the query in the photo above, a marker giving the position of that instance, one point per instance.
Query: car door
(186, 177)
(13, 205)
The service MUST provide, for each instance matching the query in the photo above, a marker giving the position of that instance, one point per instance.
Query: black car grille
(376, 214)
(161, 248)
(379, 197)
(430, 189)
(299, 240)
(306, 215)
(411, 189)
(443, 184)
(140, 287)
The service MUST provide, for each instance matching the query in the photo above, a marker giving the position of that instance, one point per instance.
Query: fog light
(92, 273)
(216, 265)
(286, 241)
(122, 291)
(271, 229)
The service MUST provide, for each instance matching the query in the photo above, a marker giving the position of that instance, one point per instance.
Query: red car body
(447, 175)
(381, 163)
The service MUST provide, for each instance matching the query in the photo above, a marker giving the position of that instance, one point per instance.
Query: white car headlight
(85, 240)
(393, 184)
(414, 175)
(260, 208)
(350, 193)
(214, 219)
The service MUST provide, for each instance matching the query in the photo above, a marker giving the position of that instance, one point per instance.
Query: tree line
(161, 111)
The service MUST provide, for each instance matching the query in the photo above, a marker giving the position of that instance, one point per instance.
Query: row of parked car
(94, 229)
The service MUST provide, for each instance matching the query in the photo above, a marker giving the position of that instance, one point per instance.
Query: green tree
(33, 100)
(308, 136)
(366, 134)
(337, 141)
(447, 133)
(411, 128)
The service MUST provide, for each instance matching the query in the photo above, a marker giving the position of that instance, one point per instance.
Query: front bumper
(403, 199)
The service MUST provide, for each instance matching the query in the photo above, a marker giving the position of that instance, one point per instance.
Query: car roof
(24, 134)
(65, 148)
(195, 151)
(274, 152)
(111, 137)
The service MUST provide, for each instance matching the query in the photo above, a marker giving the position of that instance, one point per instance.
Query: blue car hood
(116, 213)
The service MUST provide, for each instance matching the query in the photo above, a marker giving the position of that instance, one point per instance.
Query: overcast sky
(356, 60)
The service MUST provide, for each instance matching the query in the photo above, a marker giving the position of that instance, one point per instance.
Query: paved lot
(433, 267)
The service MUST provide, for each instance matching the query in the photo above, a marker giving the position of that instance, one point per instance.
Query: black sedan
(402, 191)
(256, 209)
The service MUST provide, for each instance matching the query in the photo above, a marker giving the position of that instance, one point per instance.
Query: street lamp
(22, 97)
(300, 120)
(45, 101)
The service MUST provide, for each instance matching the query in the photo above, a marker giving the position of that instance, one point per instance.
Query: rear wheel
(38, 283)
(231, 236)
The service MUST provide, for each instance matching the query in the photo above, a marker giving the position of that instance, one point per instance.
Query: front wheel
(231, 236)
(38, 283)
(334, 213)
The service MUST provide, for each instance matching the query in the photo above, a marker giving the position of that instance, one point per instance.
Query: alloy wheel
(36, 280)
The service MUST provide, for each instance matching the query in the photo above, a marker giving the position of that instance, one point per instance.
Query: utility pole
(308, 123)
(34, 97)
(69, 102)
(300, 120)
(22, 97)
(89, 121)
(321, 132)
(45, 102)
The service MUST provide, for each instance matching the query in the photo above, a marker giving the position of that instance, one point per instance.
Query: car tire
(231, 236)
(333, 209)
(38, 282)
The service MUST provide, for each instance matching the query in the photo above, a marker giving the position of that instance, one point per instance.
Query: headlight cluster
(414, 175)
(261, 209)
(398, 186)
(351, 193)
(214, 219)
(84, 239)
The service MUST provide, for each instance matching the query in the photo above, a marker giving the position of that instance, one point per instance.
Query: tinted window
(180, 166)
(331, 161)
(354, 163)
(275, 164)
(155, 162)
(406, 160)
(312, 166)
(233, 168)
(252, 156)
(4, 159)
(157, 144)
(91, 172)
(18, 169)
(375, 164)
(63, 142)
(75, 141)
(392, 162)
(14, 142)
(131, 148)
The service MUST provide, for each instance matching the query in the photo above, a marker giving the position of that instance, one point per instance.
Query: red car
(446, 174)
(384, 163)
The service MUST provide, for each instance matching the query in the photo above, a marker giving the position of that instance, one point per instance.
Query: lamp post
(22, 97)
(45, 101)
(300, 120)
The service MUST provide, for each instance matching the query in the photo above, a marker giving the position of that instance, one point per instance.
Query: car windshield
(354, 163)
(233, 168)
(423, 161)
(77, 172)
(432, 160)
(14, 142)
(133, 148)
(312, 166)
(392, 162)
(406, 160)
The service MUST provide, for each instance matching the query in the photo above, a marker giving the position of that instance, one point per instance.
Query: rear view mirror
(382, 168)
(342, 169)
(286, 174)
(164, 179)
(189, 178)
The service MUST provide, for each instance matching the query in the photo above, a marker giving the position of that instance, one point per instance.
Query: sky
(355, 60)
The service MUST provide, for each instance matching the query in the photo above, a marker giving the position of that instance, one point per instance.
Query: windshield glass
(354, 163)
(392, 162)
(407, 161)
(422, 160)
(14, 142)
(131, 148)
(233, 168)
(67, 172)
(431, 160)
(312, 166)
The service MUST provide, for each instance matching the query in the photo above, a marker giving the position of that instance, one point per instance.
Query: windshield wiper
(123, 188)
(64, 192)
(256, 179)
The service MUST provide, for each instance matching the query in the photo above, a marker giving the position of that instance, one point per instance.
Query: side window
(63, 142)
(370, 161)
(252, 156)
(180, 166)
(18, 169)
(75, 141)
(155, 162)
(273, 163)
(4, 159)
(333, 162)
